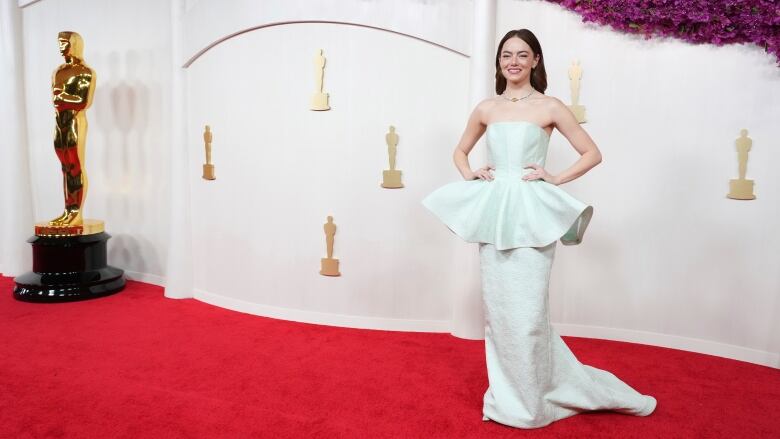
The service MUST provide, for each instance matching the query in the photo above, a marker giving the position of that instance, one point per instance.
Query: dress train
(534, 378)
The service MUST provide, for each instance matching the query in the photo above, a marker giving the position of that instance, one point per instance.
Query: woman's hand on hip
(539, 173)
(483, 173)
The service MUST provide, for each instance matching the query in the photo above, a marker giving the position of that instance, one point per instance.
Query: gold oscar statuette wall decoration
(329, 266)
(575, 75)
(69, 252)
(208, 168)
(391, 178)
(319, 101)
(741, 188)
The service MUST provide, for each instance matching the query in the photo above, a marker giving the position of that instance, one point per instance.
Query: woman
(514, 209)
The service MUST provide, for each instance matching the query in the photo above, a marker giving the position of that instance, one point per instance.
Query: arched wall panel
(281, 169)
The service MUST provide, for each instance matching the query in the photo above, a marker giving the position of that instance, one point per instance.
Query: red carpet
(137, 365)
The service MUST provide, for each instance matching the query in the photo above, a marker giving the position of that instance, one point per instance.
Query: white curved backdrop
(663, 262)
(668, 260)
(257, 229)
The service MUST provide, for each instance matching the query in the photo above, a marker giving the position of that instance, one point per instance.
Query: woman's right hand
(483, 173)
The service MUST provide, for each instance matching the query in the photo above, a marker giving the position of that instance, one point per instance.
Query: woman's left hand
(538, 174)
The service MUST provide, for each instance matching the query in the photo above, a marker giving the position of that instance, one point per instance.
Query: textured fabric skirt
(534, 379)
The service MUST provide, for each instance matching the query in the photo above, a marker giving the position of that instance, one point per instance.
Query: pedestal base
(741, 190)
(88, 227)
(329, 267)
(392, 179)
(579, 112)
(208, 172)
(319, 102)
(67, 269)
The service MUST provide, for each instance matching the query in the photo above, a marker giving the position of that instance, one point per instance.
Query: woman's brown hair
(538, 74)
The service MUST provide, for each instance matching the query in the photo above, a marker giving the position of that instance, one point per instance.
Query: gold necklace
(517, 99)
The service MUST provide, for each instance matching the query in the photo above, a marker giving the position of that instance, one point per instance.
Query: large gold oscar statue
(73, 84)
(69, 253)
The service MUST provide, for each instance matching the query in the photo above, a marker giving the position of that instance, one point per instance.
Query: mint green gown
(533, 377)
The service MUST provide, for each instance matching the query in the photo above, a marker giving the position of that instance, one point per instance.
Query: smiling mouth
(514, 71)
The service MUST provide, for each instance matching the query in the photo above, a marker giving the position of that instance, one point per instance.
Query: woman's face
(516, 60)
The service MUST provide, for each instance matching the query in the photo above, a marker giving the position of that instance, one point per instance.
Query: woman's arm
(475, 127)
(567, 124)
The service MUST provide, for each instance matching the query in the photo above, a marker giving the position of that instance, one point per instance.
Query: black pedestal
(69, 268)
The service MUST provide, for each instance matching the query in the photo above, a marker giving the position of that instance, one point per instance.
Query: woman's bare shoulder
(550, 105)
(488, 103)
(484, 108)
(548, 101)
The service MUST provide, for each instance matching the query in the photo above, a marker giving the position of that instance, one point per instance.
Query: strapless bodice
(514, 144)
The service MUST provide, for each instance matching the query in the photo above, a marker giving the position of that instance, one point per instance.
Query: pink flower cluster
(696, 21)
